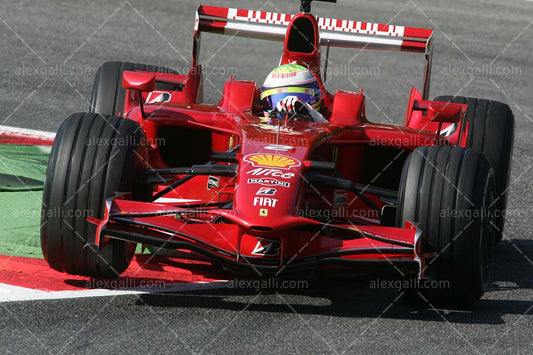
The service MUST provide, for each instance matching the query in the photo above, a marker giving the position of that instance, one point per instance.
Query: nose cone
(268, 187)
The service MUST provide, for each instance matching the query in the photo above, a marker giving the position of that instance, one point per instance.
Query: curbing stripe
(10, 293)
(15, 135)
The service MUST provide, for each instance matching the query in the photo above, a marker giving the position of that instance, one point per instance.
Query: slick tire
(449, 193)
(490, 128)
(92, 158)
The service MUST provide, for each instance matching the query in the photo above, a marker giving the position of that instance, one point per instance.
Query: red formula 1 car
(151, 164)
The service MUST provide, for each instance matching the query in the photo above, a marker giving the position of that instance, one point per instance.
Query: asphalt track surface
(50, 51)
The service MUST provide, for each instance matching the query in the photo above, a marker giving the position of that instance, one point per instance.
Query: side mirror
(138, 81)
(444, 112)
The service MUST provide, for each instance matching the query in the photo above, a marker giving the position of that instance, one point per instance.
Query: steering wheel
(290, 116)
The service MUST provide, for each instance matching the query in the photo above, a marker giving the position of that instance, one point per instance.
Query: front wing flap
(306, 244)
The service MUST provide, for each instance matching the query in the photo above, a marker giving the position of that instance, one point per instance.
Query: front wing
(296, 244)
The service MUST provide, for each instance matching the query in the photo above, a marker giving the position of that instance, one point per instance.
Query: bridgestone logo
(270, 182)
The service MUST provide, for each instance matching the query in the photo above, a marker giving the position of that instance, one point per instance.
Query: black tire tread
(446, 179)
(86, 166)
(490, 127)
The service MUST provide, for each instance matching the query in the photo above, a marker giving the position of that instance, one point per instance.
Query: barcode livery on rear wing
(332, 32)
(339, 33)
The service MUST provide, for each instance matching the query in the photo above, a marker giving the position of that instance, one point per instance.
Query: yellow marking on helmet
(289, 90)
(288, 68)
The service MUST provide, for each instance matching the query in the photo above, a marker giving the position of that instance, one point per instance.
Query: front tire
(93, 157)
(448, 192)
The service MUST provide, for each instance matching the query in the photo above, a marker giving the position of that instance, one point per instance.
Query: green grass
(22, 167)
(22, 174)
(20, 218)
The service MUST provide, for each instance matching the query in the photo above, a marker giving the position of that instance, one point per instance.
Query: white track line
(15, 131)
(10, 293)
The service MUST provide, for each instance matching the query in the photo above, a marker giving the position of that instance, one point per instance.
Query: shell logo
(272, 161)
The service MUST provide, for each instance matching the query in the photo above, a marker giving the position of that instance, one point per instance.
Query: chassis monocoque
(151, 164)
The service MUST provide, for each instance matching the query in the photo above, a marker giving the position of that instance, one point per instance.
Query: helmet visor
(270, 97)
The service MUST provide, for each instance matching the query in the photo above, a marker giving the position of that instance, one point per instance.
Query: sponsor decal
(265, 201)
(269, 182)
(448, 131)
(284, 75)
(267, 247)
(268, 191)
(155, 97)
(272, 161)
(283, 148)
(263, 212)
(270, 172)
(213, 182)
(341, 197)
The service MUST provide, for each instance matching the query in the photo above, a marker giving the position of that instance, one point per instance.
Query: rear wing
(333, 32)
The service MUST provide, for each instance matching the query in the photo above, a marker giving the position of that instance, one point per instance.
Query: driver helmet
(290, 80)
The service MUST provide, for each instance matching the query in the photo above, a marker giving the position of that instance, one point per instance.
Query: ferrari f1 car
(151, 164)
